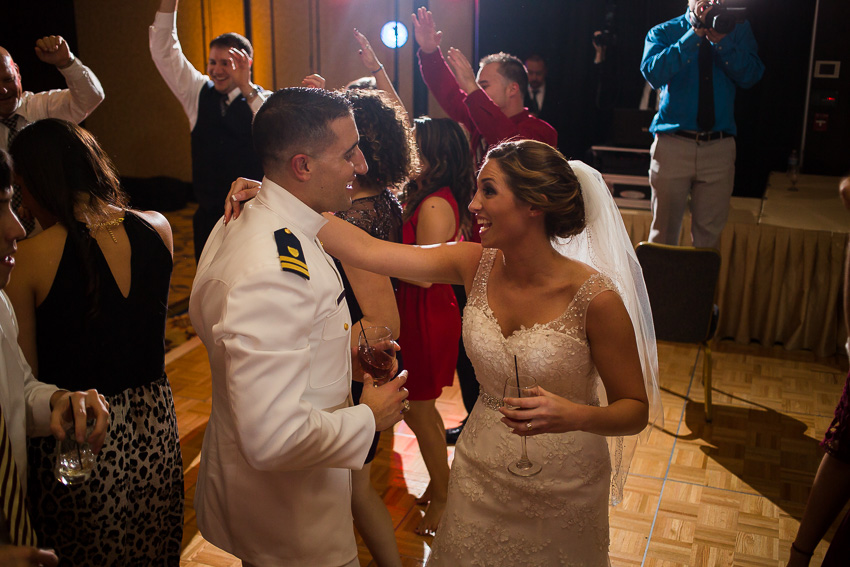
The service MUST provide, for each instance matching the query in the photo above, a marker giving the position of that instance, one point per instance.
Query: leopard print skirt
(130, 513)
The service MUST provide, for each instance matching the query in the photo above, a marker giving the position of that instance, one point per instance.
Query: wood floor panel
(721, 494)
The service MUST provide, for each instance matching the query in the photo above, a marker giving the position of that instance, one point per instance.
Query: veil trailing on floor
(604, 244)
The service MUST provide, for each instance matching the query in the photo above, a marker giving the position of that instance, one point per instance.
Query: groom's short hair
(297, 121)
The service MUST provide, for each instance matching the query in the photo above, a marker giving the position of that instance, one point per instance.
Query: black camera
(719, 17)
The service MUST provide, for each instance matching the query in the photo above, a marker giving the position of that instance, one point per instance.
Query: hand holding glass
(376, 352)
(521, 387)
(74, 461)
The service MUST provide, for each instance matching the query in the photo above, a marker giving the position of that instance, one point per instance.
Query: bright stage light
(394, 34)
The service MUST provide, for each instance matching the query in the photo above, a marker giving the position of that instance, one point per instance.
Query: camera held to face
(717, 17)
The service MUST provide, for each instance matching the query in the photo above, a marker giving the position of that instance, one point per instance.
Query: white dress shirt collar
(290, 207)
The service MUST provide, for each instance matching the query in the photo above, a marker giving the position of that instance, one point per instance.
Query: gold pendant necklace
(108, 225)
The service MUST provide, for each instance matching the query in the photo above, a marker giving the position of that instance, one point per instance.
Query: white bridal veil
(605, 245)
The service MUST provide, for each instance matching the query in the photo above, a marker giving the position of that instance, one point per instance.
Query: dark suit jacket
(551, 111)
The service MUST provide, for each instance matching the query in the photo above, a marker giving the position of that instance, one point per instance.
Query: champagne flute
(376, 352)
(521, 387)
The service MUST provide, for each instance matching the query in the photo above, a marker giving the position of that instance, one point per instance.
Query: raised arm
(178, 73)
(436, 72)
(453, 263)
(665, 55)
(373, 65)
(738, 53)
(84, 92)
(425, 31)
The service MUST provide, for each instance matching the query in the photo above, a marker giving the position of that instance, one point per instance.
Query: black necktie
(12, 124)
(533, 107)
(705, 109)
(224, 103)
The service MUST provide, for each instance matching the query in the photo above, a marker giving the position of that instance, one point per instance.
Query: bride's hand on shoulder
(545, 413)
(240, 190)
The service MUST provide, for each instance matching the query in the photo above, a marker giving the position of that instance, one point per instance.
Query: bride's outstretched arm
(614, 352)
(452, 263)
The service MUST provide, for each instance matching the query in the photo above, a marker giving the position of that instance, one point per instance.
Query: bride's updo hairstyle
(540, 175)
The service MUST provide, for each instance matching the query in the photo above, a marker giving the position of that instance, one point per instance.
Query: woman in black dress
(91, 295)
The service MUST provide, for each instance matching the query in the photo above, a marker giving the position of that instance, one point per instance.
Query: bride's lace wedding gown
(560, 516)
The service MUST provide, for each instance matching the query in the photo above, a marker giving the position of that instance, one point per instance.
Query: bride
(555, 289)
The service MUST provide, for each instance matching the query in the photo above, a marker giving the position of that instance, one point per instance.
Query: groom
(274, 486)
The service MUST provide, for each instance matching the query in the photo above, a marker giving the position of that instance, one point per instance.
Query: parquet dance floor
(727, 493)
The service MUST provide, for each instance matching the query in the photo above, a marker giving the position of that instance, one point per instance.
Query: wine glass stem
(524, 458)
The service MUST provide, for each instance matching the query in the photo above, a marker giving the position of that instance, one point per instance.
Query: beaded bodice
(555, 353)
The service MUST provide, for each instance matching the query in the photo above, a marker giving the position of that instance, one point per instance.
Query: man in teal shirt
(698, 70)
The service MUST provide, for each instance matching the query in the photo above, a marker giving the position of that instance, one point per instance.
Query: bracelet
(800, 551)
(255, 91)
(69, 63)
(378, 69)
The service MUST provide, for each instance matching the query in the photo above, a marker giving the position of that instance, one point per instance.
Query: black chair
(682, 282)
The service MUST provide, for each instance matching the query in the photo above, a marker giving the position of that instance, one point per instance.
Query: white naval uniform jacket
(274, 486)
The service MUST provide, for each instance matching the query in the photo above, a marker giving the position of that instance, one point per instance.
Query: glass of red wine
(376, 352)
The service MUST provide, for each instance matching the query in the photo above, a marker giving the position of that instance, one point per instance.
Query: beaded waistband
(491, 402)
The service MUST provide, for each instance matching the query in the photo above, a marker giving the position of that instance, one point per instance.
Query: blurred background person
(19, 107)
(831, 487)
(220, 107)
(387, 145)
(430, 319)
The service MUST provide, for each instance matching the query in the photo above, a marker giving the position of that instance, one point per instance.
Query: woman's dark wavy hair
(385, 138)
(5, 170)
(63, 167)
(444, 145)
(541, 176)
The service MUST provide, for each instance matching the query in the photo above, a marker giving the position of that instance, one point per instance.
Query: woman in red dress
(430, 320)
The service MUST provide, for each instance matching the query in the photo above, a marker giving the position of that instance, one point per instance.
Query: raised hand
(462, 70)
(313, 81)
(425, 31)
(367, 54)
(54, 50)
(240, 67)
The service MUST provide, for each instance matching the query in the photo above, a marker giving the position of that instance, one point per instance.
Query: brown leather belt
(700, 136)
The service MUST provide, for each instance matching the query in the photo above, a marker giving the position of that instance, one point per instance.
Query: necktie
(534, 107)
(705, 108)
(12, 493)
(12, 124)
(223, 102)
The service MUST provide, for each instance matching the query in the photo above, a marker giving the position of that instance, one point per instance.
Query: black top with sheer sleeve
(380, 216)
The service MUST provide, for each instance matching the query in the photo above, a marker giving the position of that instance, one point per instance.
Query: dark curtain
(22, 24)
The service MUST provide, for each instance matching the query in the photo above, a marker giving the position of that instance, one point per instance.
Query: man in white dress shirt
(19, 107)
(220, 106)
(29, 407)
(274, 483)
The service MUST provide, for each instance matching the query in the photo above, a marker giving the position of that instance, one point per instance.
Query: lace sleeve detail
(577, 313)
(379, 215)
(478, 295)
